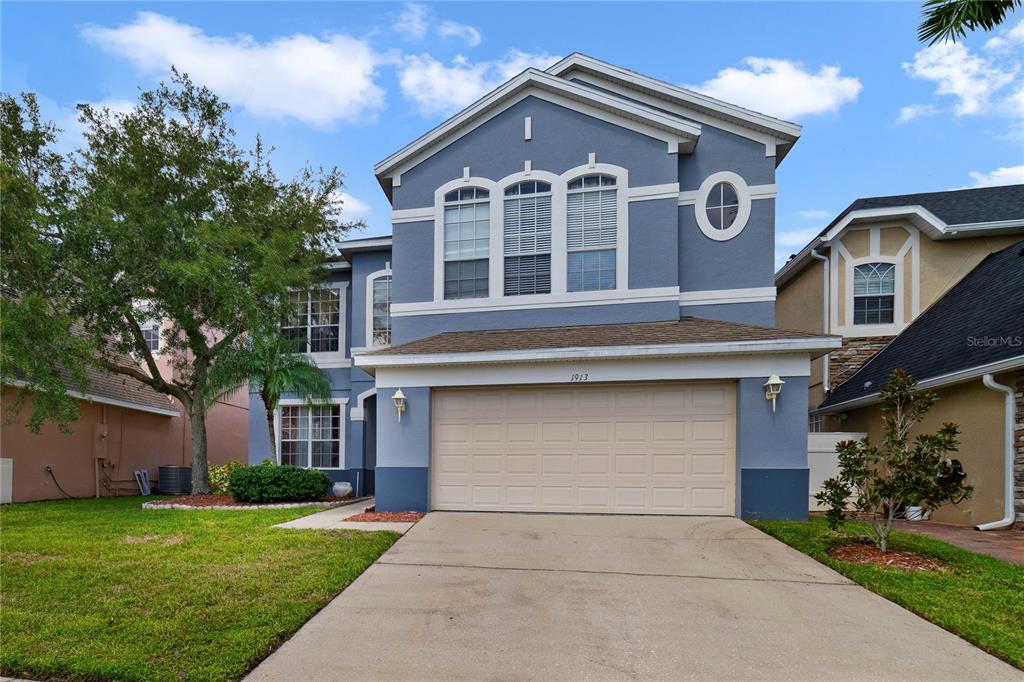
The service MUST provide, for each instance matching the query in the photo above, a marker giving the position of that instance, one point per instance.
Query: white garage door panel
(655, 449)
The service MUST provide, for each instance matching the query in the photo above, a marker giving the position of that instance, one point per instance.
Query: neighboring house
(123, 425)
(574, 314)
(881, 271)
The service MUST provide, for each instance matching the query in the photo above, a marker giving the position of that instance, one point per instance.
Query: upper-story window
(723, 205)
(380, 315)
(874, 293)
(314, 323)
(591, 232)
(151, 334)
(467, 242)
(527, 225)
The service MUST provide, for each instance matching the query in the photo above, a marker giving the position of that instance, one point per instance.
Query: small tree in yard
(162, 216)
(269, 363)
(882, 480)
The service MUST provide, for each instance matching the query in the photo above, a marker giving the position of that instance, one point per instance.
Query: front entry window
(311, 436)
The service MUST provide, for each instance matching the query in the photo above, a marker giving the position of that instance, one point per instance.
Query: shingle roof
(120, 388)
(682, 331)
(955, 207)
(978, 322)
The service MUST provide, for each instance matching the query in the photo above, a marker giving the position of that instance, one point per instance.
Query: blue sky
(346, 84)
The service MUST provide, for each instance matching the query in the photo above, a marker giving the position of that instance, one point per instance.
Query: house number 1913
(578, 377)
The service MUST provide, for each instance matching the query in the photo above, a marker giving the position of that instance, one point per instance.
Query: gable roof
(977, 326)
(677, 131)
(943, 215)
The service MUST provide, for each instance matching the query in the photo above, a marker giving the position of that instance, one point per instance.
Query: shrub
(219, 474)
(262, 483)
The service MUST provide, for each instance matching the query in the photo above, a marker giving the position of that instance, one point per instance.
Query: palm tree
(951, 19)
(270, 364)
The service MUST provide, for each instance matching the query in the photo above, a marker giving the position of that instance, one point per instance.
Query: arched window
(467, 242)
(591, 232)
(527, 238)
(874, 293)
(378, 295)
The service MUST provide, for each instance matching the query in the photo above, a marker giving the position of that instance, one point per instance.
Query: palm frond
(952, 19)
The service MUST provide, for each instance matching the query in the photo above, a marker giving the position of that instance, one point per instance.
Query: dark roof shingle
(977, 322)
(681, 331)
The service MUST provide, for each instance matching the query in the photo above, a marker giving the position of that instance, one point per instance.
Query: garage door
(634, 449)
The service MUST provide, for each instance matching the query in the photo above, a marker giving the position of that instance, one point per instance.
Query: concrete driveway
(522, 596)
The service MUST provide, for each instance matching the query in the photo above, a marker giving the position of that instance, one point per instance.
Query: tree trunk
(200, 464)
(273, 435)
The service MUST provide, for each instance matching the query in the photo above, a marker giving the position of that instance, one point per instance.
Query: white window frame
(854, 296)
(153, 325)
(370, 279)
(333, 359)
(550, 252)
(559, 254)
(343, 431)
(742, 195)
(585, 190)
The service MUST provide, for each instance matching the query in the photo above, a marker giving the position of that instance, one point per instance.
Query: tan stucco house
(931, 283)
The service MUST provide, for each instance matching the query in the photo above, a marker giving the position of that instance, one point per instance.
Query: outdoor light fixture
(772, 389)
(399, 399)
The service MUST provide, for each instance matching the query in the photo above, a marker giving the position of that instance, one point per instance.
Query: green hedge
(269, 483)
(219, 474)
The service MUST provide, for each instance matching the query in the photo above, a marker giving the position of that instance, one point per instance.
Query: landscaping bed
(387, 517)
(228, 502)
(101, 589)
(974, 596)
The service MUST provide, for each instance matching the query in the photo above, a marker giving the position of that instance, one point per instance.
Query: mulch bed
(869, 554)
(228, 502)
(386, 517)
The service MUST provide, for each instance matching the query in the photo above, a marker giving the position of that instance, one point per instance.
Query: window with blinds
(592, 232)
(527, 239)
(467, 232)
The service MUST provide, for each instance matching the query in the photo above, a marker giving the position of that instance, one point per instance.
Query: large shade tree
(163, 216)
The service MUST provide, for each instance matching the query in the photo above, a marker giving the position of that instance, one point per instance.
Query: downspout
(1008, 418)
(824, 320)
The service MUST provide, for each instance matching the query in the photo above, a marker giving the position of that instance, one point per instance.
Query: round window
(723, 205)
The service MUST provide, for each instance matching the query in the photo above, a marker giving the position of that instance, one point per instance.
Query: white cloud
(1010, 175)
(353, 208)
(1008, 39)
(437, 88)
(796, 239)
(782, 88)
(816, 215)
(315, 80)
(411, 22)
(453, 29)
(912, 111)
(972, 79)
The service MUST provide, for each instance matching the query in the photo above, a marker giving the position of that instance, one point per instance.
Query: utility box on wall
(6, 480)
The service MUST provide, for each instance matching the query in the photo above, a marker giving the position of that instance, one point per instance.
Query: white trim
(948, 379)
(92, 397)
(742, 194)
(651, 192)
(412, 215)
(494, 211)
(768, 191)
(528, 128)
(721, 296)
(804, 346)
(291, 402)
(599, 370)
(368, 311)
(644, 85)
(536, 301)
(545, 86)
(358, 413)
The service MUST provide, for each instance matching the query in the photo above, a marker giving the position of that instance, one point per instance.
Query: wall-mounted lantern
(772, 389)
(399, 400)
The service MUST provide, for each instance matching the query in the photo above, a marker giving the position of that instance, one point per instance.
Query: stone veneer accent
(843, 362)
(1018, 443)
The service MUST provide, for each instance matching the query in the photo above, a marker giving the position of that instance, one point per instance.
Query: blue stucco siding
(402, 489)
(762, 313)
(403, 443)
(747, 260)
(561, 139)
(413, 262)
(412, 327)
(364, 263)
(653, 243)
(720, 150)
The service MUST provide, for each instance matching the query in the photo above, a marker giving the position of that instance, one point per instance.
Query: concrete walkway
(521, 596)
(334, 519)
(1007, 544)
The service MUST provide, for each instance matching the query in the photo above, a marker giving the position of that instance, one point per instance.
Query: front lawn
(102, 589)
(980, 598)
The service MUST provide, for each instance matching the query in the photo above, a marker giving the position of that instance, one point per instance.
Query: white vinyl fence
(822, 460)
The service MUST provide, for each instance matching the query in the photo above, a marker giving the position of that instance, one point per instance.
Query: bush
(219, 474)
(262, 483)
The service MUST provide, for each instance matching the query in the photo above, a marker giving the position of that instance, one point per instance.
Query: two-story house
(930, 283)
(574, 313)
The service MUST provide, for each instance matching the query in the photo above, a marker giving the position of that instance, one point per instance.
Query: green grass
(102, 589)
(980, 599)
